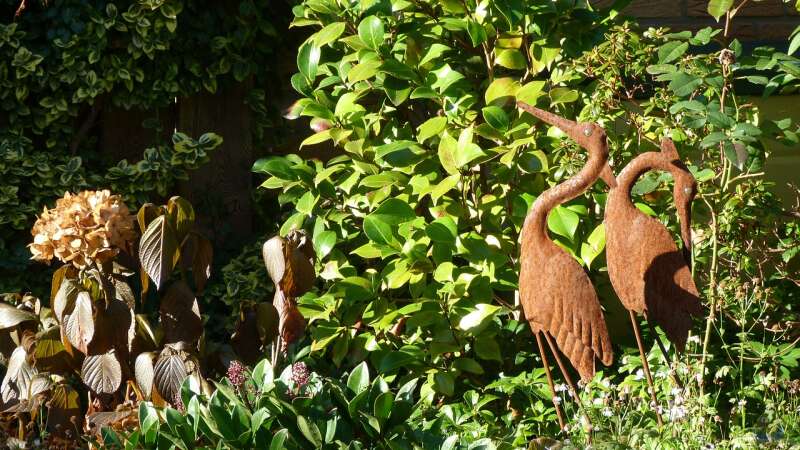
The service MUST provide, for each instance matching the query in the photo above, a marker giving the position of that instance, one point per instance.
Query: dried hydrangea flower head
(91, 226)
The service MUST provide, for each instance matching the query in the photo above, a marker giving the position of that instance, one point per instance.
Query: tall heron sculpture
(649, 274)
(557, 296)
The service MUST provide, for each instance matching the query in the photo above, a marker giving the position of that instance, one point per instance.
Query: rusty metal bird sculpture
(649, 274)
(557, 296)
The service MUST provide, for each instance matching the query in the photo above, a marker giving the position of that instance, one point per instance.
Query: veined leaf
(11, 316)
(158, 250)
(168, 374)
(102, 373)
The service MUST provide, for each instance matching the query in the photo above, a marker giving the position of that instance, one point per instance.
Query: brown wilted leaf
(290, 262)
(299, 275)
(118, 420)
(79, 326)
(144, 373)
(169, 372)
(180, 314)
(272, 252)
(201, 262)
(292, 323)
(102, 373)
(245, 340)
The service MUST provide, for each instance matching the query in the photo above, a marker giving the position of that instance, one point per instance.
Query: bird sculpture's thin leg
(664, 352)
(570, 383)
(550, 381)
(561, 366)
(646, 366)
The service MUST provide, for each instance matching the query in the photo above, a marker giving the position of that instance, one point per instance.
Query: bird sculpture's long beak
(574, 131)
(566, 125)
(685, 217)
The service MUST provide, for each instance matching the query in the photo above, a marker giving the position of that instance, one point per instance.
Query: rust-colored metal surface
(557, 296)
(648, 272)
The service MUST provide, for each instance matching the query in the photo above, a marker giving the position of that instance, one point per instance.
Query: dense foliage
(394, 321)
(416, 223)
(63, 64)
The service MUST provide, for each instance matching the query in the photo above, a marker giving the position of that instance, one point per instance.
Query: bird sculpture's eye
(587, 131)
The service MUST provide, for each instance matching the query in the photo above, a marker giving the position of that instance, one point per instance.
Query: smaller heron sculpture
(649, 274)
(557, 296)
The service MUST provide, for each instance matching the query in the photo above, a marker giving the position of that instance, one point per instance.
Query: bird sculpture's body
(649, 274)
(556, 294)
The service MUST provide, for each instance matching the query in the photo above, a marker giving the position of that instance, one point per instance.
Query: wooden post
(123, 136)
(221, 190)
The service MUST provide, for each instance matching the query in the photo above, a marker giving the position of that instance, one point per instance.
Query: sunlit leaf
(144, 373)
(718, 8)
(168, 374)
(157, 250)
(11, 316)
(102, 373)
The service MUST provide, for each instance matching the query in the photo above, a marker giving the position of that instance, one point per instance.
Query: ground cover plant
(384, 313)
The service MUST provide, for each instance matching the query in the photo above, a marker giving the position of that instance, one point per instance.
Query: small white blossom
(677, 413)
(639, 375)
(607, 412)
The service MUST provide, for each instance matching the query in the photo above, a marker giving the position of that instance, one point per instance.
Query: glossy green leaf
(496, 117)
(310, 431)
(473, 321)
(563, 222)
(431, 127)
(530, 92)
(718, 8)
(276, 166)
(594, 245)
(501, 90)
(671, 51)
(445, 383)
(442, 230)
(308, 60)
(371, 32)
(511, 59)
(358, 380)
(329, 34)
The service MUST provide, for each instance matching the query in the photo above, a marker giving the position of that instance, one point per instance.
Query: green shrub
(416, 221)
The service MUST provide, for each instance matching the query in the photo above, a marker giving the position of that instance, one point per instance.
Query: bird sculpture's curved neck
(536, 221)
(639, 166)
(667, 161)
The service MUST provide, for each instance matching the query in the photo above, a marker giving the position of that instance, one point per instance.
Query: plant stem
(712, 281)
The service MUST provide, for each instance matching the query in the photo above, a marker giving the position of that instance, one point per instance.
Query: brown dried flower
(90, 226)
